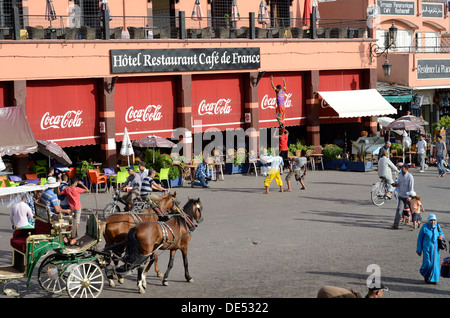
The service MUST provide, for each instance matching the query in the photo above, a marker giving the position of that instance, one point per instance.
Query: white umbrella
(127, 147)
(263, 15)
(197, 13)
(235, 16)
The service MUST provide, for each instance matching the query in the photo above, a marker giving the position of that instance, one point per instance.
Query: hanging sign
(179, 60)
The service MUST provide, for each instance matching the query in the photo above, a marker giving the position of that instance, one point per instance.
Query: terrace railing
(37, 27)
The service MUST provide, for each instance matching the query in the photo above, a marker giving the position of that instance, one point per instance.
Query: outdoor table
(191, 169)
(220, 166)
(314, 156)
(412, 154)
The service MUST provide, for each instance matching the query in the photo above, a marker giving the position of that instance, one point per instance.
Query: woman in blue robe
(427, 244)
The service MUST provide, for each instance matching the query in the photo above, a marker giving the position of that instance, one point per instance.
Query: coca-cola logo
(222, 106)
(71, 118)
(150, 113)
(271, 102)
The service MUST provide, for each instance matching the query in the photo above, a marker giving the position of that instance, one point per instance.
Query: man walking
(441, 151)
(404, 184)
(421, 152)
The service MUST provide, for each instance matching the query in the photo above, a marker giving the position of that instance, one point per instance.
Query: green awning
(398, 99)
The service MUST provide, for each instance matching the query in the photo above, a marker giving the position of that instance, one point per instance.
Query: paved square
(287, 244)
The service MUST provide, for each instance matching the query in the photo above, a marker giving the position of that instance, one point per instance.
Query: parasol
(402, 124)
(235, 16)
(307, 13)
(53, 150)
(153, 142)
(263, 15)
(127, 148)
(197, 13)
(414, 119)
(50, 13)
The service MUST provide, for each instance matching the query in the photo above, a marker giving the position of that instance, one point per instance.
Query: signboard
(433, 69)
(398, 7)
(179, 60)
(145, 106)
(65, 112)
(430, 10)
(217, 102)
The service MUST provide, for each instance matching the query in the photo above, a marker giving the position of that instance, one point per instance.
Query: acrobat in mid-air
(281, 94)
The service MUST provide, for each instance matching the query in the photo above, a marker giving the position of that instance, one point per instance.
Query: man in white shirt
(385, 169)
(421, 153)
(21, 215)
(274, 172)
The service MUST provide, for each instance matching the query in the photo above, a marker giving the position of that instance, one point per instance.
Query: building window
(6, 12)
(280, 13)
(221, 13)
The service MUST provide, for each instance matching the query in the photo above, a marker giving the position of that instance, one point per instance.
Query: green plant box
(230, 168)
(176, 183)
(360, 166)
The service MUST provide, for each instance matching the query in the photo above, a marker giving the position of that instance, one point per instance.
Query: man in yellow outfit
(274, 173)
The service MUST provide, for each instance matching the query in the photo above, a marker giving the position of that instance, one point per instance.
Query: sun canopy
(358, 103)
(16, 136)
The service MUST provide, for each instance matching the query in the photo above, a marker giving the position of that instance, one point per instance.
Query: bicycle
(139, 203)
(379, 192)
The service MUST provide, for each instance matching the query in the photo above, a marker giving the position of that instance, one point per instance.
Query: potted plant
(82, 172)
(238, 165)
(156, 160)
(332, 156)
(359, 162)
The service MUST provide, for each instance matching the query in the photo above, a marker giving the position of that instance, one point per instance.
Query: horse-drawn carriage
(75, 269)
(78, 269)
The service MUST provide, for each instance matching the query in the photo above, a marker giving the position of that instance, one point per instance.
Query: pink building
(154, 66)
(420, 59)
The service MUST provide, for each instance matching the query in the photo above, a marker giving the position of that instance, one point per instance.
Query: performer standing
(281, 94)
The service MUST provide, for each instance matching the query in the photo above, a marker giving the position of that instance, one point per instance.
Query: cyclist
(385, 169)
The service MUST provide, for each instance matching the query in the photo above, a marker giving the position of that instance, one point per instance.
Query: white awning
(357, 103)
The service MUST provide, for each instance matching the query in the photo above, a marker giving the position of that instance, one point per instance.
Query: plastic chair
(16, 179)
(72, 173)
(10, 183)
(31, 176)
(2, 179)
(119, 179)
(163, 175)
(123, 168)
(33, 181)
(42, 181)
(97, 179)
(39, 170)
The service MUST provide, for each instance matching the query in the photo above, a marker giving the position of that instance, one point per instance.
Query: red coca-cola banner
(145, 106)
(4, 94)
(294, 100)
(337, 81)
(65, 112)
(217, 102)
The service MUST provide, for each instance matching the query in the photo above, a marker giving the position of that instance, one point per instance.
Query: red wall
(145, 106)
(295, 102)
(65, 112)
(338, 81)
(217, 102)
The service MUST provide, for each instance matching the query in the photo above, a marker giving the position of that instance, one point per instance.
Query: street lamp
(376, 51)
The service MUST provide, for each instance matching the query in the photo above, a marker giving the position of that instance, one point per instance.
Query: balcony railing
(440, 44)
(164, 27)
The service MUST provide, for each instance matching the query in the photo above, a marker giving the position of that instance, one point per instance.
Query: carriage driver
(133, 181)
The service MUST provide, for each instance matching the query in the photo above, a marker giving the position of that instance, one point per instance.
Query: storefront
(65, 112)
(145, 106)
(294, 100)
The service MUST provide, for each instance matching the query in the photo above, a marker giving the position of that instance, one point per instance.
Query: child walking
(416, 206)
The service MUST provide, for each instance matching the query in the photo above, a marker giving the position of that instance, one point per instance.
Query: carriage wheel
(50, 274)
(85, 281)
(378, 194)
(110, 208)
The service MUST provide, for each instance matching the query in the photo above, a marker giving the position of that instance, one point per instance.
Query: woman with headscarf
(427, 244)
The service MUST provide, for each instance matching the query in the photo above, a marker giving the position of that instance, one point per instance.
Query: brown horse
(116, 226)
(148, 237)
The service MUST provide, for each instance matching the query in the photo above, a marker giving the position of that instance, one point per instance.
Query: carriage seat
(19, 239)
